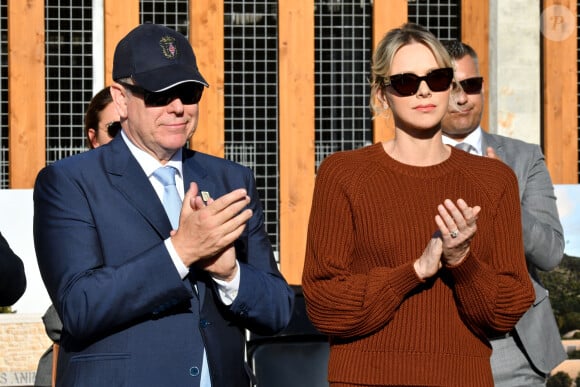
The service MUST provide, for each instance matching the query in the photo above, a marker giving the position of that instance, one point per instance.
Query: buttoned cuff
(179, 265)
(228, 291)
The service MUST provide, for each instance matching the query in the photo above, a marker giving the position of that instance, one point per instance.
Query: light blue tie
(171, 199)
(172, 204)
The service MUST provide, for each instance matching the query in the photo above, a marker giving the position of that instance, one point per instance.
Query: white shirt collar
(150, 163)
(473, 139)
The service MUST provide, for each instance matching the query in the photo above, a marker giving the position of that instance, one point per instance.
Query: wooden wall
(296, 45)
(26, 91)
(560, 102)
(475, 32)
(296, 106)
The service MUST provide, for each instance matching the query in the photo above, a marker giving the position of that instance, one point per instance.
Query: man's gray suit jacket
(543, 243)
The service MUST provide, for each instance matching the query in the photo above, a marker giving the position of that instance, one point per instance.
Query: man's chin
(457, 132)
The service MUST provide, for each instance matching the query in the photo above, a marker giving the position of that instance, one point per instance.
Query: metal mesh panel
(68, 75)
(3, 94)
(343, 38)
(442, 18)
(170, 13)
(251, 97)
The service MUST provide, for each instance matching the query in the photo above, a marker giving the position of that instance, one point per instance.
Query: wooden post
(297, 161)
(26, 92)
(560, 80)
(207, 38)
(120, 18)
(475, 32)
(387, 14)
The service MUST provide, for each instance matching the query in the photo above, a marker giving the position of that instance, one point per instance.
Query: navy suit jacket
(128, 318)
(543, 244)
(12, 277)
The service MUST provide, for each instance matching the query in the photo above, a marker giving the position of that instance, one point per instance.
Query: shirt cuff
(228, 291)
(179, 265)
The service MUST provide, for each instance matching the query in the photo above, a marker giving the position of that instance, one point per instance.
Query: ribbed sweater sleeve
(343, 301)
(493, 290)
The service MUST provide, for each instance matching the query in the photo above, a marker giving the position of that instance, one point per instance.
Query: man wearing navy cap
(149, 296)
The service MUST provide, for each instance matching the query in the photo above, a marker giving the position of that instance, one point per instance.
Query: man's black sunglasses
(189, 93)
(408, 83)
(472, 85)
(113, 128)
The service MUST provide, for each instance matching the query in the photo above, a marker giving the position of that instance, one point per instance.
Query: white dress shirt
(227, 290)
(473, 139)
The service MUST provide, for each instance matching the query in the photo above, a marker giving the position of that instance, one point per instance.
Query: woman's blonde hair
(387, 48)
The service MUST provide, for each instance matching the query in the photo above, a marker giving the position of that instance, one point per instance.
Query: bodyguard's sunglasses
(113, 128)
(472, 85)
(407, 84)
(189, 93)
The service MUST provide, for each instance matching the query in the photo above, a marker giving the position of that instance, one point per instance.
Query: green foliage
(564, 286)
(560, 379)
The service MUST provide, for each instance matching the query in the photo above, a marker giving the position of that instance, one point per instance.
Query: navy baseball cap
(157, 58)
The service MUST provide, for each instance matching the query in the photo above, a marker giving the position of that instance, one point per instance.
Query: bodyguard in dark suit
(527, 354)
(12, 277)
(145, 303)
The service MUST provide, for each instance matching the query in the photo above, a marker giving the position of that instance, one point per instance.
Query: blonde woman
(411, 243)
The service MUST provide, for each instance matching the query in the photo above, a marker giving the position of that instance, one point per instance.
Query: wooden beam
(120, 18)
(560, 77)
(475, 32)
(207, 38)
(387, 14)
(296, 103)
(26, 92)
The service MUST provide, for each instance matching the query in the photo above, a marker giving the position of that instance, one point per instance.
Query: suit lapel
(128, 177)
(195, 172)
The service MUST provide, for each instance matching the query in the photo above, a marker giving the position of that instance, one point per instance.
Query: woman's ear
(383, 99)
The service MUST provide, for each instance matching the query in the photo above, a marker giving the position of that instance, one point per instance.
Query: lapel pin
(205, 196)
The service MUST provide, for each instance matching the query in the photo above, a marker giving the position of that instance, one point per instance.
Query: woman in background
(101, 119)
(414, 253)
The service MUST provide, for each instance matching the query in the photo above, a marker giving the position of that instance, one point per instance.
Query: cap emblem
(167, 44)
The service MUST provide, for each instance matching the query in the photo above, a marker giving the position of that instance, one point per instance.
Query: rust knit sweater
(371, 218)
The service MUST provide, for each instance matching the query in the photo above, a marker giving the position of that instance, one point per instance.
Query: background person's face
(464, 118)
(108, 115)
(100, 136)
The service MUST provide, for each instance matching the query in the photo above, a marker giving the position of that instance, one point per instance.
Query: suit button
(194, 371)
(204, 323)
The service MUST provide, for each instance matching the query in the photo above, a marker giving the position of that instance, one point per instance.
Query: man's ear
(92, 133)
(119, 95)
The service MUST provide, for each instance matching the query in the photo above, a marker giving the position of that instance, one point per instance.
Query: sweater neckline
(449, 165)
